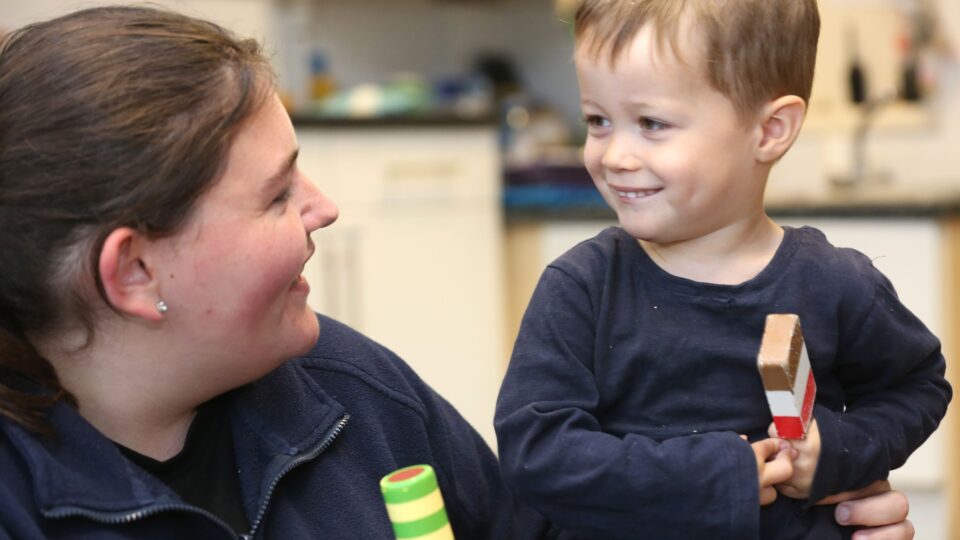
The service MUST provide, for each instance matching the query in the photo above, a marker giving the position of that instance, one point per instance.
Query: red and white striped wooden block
(787, 378)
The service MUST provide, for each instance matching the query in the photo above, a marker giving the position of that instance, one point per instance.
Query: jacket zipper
(327, 441)
(117, 518)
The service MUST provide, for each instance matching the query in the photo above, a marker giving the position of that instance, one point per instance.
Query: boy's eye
(595, 121)
(650, 124)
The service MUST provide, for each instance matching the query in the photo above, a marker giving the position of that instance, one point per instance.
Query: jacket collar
(277, 420)
(81, 468)
(277, 423)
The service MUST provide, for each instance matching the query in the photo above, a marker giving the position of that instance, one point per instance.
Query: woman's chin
(310, 332)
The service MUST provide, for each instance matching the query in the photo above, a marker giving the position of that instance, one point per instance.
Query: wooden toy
(787, 378)
(415, 505)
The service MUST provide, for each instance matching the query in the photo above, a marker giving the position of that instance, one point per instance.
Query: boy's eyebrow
(632, 102)
(284, 171)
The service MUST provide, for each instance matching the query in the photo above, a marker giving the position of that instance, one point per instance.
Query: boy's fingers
(793, 492)
(772, 430)
(789, 449)
(766, 448)
(767, 495)
(777, 470)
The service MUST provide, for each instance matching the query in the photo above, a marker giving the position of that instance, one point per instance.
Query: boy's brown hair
(754, 50)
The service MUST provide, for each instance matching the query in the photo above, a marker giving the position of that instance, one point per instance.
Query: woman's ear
(128, 280)
(779, 124)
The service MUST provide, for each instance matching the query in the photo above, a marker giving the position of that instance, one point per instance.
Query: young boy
(634, 373)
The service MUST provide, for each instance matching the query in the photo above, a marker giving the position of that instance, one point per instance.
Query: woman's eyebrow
(284, 171)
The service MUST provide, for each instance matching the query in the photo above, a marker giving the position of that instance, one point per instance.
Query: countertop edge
(411, 121)
(591, 213)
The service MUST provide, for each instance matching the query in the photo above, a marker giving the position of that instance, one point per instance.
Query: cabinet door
(420, 169)
(415, 259)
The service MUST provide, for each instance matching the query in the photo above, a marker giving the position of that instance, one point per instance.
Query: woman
(153, 230)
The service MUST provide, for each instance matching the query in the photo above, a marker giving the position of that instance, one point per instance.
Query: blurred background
(449, 133)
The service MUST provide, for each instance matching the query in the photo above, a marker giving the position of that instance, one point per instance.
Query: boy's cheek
(593, 160)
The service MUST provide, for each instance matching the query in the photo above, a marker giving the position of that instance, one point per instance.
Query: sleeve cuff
(826, 479)
(745, 500)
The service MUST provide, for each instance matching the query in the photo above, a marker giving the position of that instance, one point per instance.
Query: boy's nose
(621, 153)
(318, 211)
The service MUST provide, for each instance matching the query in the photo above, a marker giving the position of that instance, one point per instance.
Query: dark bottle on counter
(857, 79)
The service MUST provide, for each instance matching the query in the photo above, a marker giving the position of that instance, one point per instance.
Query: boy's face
(666, 150)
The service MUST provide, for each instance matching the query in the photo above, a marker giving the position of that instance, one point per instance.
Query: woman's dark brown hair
(109, 117)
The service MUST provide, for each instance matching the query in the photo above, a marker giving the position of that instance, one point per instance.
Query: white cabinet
(415, 259)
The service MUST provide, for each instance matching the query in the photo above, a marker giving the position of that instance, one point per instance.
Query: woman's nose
(318, 211)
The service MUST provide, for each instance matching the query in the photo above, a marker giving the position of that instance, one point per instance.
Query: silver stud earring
(162, 306)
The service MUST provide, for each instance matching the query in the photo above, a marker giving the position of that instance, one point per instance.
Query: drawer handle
(422, 171)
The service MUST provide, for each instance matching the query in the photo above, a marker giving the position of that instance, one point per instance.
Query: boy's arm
(892, 372)
(556, 455)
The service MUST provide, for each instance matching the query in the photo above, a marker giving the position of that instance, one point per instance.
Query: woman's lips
(300, 284)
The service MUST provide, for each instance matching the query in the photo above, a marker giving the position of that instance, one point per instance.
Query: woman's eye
(650, 124)
(594, 121)
(283, 196)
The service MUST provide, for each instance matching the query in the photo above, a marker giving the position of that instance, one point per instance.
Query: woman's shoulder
(34, 468)
(13, 464)
(349, 364)
(16, 490)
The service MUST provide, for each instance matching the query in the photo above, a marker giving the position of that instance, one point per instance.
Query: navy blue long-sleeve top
(621, 408)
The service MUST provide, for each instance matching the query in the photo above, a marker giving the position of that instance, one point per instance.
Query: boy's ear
(780, 123)
(128, 280)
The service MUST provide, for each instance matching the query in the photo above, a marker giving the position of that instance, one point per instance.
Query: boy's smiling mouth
(634, 193)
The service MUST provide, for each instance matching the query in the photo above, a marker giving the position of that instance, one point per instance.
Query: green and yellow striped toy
(415, 505)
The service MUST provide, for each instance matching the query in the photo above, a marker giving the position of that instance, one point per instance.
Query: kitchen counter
(432, 119)
(874, 201)
(573, 202)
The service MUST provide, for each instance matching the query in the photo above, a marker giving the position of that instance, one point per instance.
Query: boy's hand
(773, 467)
(806, 454)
